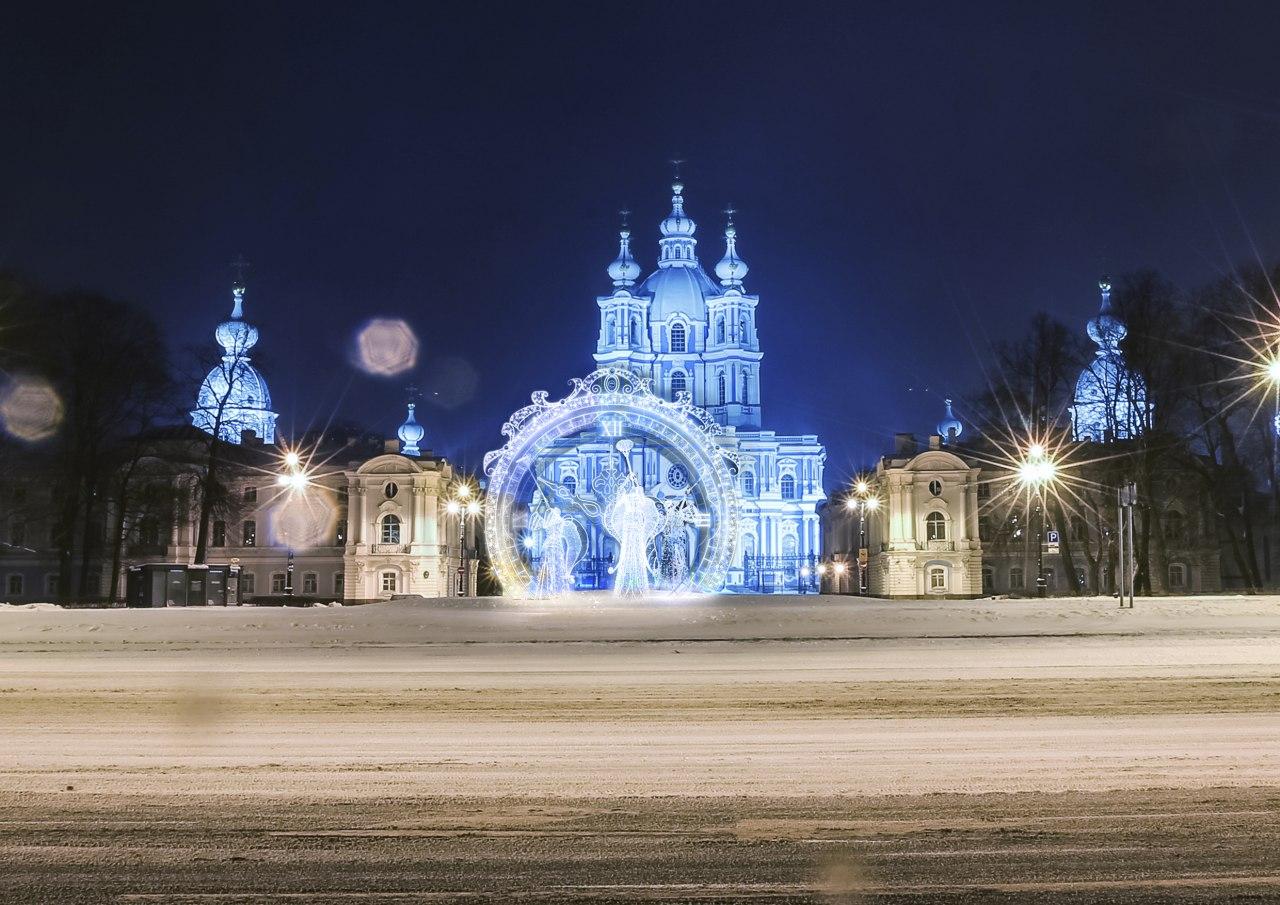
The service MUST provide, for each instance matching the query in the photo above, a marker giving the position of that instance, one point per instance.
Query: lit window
(277, 582)
(937, 579)
(310, 582)
(249, 534)
(678, 384)
(788, 486)
(679, 340)
(219, 534)
(389, 582)
(1016, 579)
(390, 529)
(935, 526)
(13, 586)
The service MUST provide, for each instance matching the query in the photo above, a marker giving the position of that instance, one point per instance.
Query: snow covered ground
(602, 702)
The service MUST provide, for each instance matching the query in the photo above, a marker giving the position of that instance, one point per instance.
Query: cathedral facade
(695, 337)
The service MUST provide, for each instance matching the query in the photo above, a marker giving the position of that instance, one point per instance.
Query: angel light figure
(560, 548)
(673, 555)
(632, 518)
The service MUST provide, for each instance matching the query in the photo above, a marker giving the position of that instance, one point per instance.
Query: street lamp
(294, 479)
(862, 502)
(1035, 471)
(465, 506)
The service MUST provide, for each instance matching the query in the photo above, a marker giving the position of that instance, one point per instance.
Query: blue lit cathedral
(1110, 399)
(694, 337)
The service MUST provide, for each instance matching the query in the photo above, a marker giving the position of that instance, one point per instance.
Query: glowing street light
(465, 506)
(1035, 471)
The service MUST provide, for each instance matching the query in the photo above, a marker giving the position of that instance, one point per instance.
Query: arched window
(720, 330)
(724, 397)
(390, 533)
(788, 486)
(742, 330)
(635, 332)
(935, 526)
(678, 383)
(1175, 526)
(748, 484)
(570, 485)
(678, 338)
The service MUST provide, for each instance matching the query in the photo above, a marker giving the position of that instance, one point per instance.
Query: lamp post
(465, 506)
(1035, 471)
(294, 478)
(862, 501)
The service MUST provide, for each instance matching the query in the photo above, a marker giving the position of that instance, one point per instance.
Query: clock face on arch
(677, 477)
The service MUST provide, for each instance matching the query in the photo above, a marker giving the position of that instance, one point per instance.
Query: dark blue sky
(912, 184)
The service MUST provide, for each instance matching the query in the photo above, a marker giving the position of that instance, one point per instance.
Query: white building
(688, 333)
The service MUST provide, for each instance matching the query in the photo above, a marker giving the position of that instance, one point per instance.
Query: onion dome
(950, 428)
(236, 336)
(410, 434)
(234, 398)
(624, 271)
(678, 224)
(731, 268)
(1107, 329)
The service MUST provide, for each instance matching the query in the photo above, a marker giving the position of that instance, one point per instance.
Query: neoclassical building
(689, 334)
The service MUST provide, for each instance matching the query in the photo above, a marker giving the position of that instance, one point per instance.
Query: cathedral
(695, 337)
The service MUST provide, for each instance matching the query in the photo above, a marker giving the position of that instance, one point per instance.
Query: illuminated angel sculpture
(632, 518)
(672, 552)
(560, 546)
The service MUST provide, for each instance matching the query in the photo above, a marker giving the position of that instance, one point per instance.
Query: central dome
(678, 290)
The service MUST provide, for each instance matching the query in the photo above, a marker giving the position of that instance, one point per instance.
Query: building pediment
(390, 463)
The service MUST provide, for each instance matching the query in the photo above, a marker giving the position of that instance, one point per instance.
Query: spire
(1107, 329)
(677, 243)
(624, 270)
(950, 428)
(236, 335)
(410, 433)
(731, 268)
(239, 265)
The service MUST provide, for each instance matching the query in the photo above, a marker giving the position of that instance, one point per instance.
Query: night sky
(911, 185)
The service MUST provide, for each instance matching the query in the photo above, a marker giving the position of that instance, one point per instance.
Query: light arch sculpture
(619, 408)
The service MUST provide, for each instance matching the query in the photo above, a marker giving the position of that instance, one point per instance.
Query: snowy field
(798, 749)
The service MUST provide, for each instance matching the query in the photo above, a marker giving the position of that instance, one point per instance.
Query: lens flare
(303, 520)
(386, 347)
(30, 409)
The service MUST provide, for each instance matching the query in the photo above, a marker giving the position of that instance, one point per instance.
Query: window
(935, 526)
(611, 330)
(390, 529)
(1177, 576)
(678, 384)
(742, 330)
(251, 494)
(249, 534)
(1016, 580)
(745, 395)
(937, 578)
(51, 583)
(724, 396)
(148, 533)
(389, 582)
(340, 538)
(935, 487)
(13, 586)
(17, 532)
(570, 485)
(310, 582)
(635, 332)
(247, 584)
(984, 528)
(277, 582)
(339, 584)
(679, 339)
(748, 484)
(988, 580)
(1175, 526)
(219, 534)
(720, 330)
(788, 485)
(984, 490)
(390, 490)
